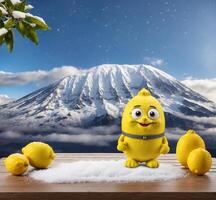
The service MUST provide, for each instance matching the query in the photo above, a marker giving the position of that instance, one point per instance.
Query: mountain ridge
(96, 97)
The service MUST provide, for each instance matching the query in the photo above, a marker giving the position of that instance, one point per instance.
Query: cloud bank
(38, 77)
(84, 139)
(4, 99)
(206, 87)
(100, 139)
(97, 136)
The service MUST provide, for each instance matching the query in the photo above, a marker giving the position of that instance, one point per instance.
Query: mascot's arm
(165, 146)
(122, 146)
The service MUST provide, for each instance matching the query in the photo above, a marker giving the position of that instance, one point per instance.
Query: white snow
(3, 31)
(15, 1)
(18, 15)
(23, 15)
(28, 7)
(36, 17)
(105, 171)
(4, 12)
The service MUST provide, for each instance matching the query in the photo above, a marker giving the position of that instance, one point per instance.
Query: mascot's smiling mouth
(145, 125)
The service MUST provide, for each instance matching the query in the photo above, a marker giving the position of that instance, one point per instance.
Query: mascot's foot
(130, 163)
(152, 163)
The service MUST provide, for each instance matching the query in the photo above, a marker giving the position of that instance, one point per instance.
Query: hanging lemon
(16, 164)
(199, 161)
(188, 142)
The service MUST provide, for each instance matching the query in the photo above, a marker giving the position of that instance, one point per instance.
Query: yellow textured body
(143, 150)
(143, 115)
(199, 161)
(16, 164)
(39, 154)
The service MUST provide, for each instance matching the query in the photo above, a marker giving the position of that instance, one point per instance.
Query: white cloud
(154, 61)
(206, 87)
(97, 136)
(38, 77)
(4, 99)
(85, 139)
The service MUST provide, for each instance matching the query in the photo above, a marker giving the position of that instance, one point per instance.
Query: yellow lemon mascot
(143, 126)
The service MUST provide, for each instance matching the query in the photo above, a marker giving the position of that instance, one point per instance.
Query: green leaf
(10, 23)
(21, 28)
(39, 24)
(20, 6)
(9, 4)
(2, 40)
(1, 23)
(1, 14)
(9, 40)
(30, 33)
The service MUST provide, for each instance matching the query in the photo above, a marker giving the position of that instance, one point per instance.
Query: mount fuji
(95, 97)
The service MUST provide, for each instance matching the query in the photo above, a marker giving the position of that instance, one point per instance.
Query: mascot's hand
(164, 147)
(122, 146)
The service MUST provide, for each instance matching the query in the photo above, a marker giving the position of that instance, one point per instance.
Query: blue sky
(179, 35)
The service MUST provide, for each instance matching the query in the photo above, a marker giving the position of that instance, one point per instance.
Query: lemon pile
(191, 153)
(37, 154)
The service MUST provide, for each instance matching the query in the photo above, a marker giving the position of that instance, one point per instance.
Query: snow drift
(105, 171)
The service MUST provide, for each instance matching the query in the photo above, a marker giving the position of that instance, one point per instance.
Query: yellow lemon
(199, 161)
(40, 155)
(188, 142)
(16, 164)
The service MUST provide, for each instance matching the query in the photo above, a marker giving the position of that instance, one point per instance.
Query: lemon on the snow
(188, 142)
(199, 161)
(16, 164)
(40, 154)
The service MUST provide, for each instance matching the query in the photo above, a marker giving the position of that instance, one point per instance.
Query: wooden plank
(62, 158)
(108, 196)
(190, 187)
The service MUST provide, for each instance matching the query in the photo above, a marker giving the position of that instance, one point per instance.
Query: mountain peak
(97, 96)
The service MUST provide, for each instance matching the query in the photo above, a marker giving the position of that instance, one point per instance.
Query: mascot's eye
(153, 114)
(136, 113)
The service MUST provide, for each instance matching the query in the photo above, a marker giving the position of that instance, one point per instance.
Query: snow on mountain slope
(206, 87)
(96, 97)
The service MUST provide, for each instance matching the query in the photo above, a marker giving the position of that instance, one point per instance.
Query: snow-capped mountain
(97, 96)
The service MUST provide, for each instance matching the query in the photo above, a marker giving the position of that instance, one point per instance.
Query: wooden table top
(192, 186)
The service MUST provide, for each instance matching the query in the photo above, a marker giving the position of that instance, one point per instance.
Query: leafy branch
(14, 14)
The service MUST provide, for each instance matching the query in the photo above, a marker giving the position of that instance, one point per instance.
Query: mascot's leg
(154, 163)
(131, 163)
